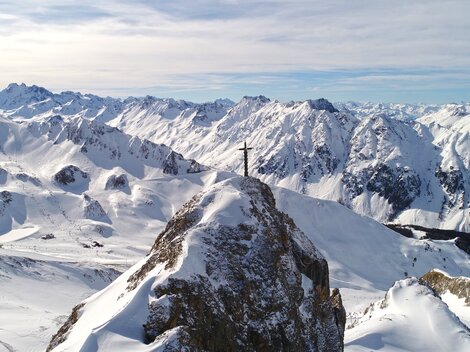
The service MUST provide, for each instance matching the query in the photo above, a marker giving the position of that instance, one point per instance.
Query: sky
(200, 50)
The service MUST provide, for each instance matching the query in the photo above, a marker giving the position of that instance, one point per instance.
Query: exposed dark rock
(259, 98)
(61, 335)
(3, 175)
(462, 239)
(275, 165)
(453, 183)
(93, 209)
(322, 104)
(463, 243)
(170, 166)
(320, 159)
(97, 244)
(117, 182)
(400, 186)
(69, 175)
(338, 308)
(6, 197)
(195, 167)
(23, 177)
(48, 236)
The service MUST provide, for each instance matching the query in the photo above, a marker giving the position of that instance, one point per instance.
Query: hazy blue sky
(375, 50)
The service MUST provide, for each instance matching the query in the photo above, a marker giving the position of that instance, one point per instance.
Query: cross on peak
(245, 153)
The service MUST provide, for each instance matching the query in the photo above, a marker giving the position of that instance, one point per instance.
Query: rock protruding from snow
(70, 175)
(119, 182)
(322, 104)
(441, 283)
(229, 272)
(92, 209)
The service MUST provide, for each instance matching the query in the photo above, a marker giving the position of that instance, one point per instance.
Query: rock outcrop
(441, 283)
(92, 209)
(70, 174)
(117, 182)
(230, 272)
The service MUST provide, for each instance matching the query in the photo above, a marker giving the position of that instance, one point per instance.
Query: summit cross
(245, 152)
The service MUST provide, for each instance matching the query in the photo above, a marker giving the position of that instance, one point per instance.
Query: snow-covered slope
(365, 258)
(54, 177)
(394, 162)
(410, 318)
(229, 272)
(36, 296)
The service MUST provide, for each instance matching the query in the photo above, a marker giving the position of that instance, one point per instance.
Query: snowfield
(85, 188)
(409, 318)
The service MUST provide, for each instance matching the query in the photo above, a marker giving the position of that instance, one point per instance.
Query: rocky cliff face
(230, 272)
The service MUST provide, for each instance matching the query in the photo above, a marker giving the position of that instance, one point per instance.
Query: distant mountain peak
(15, 87)
(258, 98)
(225, 102)
(321, 104)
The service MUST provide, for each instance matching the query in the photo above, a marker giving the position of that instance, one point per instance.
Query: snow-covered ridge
(21, 101)
(408, 319)
(404, 112)
(108, 145)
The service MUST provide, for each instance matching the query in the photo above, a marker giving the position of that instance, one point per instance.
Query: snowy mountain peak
(321, 104)
(229, 272)
(225, 102)
(36, 91)
(17, 95)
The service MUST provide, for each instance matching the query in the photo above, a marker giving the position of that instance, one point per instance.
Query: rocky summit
(230, 272)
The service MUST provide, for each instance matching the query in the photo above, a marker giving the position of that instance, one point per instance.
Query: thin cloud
(144, 43)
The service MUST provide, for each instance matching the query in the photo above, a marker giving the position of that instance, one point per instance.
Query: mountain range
(95, 188)
(397, 163)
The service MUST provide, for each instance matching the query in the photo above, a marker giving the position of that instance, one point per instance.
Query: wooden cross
(245, 152)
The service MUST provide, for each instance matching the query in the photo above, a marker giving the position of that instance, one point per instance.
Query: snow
(410, 318)
(37, 294)
(458, 306)
(18, 234)
(40, 206)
